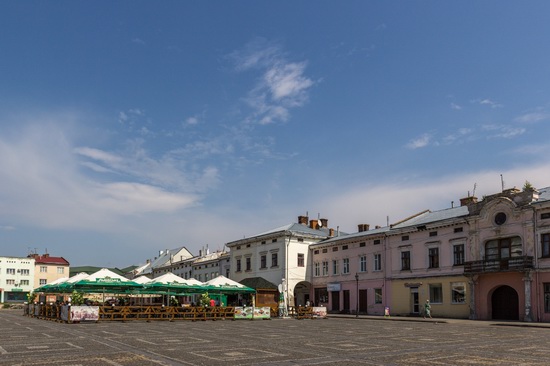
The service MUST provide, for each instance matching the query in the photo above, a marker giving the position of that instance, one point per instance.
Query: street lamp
(357, 295)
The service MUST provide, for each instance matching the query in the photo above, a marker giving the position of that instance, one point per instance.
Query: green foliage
(77, 298)
(528, 186)
(31, 296)
(204, 300)
(6, 305)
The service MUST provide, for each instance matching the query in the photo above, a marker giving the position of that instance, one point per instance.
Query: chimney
(313, 224)
(378, 227)
(303, 220)
(466, 201)
(363, 227)
(324, 222)
(331, 232)
(46, 255)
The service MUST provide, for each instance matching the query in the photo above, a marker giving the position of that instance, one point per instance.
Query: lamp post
(357, 295)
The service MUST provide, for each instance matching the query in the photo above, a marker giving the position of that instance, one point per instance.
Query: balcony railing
(499, 265)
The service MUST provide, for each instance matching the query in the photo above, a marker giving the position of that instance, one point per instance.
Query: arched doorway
(505, 303)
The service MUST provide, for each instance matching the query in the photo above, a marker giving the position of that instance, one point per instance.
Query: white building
(280, 256)
(16, 278)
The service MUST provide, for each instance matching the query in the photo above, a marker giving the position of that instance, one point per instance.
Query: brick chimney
(363, 227)
(324, 222)
(331, 232)
(303, 220)
(313, 224)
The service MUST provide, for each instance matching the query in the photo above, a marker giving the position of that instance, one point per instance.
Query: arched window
(503, 248)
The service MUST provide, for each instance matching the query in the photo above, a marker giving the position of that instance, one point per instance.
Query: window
(263, 261)
(377, 295)
(325, 268)
(317, 269)
(316, 251)
(361, 245)
(334, 249)
(300, 240)
(458, 229)
(301, 260)
(345, 270)
(24, 282)
(43, 269)
(335, 270)
(325, 250)
(404, 238)
(458, 254)
(238, 265)
(547, 297)
(274, 240)
(377, 241)
(378, 262)
(545, 242)
(238, 247)
(43, 281)
(263, 241)
(248, 245)
(458, 292)
(248, 263)
(545, 215)
(433, 233)
(406, 261)
(500, 218)
(436, 294)
(321, 295)
(274, 260)
(503, 248)
(344, 247)
(60, 270)
(433, 258)
(10, 271)
(10, 282)
(25, 272)
(206, 277)
(363, 263)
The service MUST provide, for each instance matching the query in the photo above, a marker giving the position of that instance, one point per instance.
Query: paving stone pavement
(334, 341)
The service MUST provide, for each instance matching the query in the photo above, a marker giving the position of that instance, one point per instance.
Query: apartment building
(16, 278)
(49, 268)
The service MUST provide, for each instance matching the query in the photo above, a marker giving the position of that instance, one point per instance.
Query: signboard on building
(333, 287)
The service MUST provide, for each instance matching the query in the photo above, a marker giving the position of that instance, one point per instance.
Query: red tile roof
(47, 259)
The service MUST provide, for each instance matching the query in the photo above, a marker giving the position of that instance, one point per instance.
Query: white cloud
(455, 106)
(43, 184)
(502, 131)
(533, 117)
(487, 102)
(138, 41)
(192, 120)
(372, 203)
(419, 142)
(282, 86)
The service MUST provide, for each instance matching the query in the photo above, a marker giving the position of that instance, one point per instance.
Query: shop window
(436, 294)
(321, 295)
(378, 296)
(458, 292)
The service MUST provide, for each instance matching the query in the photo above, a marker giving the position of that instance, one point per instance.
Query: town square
(343, 340)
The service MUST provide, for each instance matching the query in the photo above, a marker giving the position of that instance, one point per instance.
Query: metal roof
(428, 217)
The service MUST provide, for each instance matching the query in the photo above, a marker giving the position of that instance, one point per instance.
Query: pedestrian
(427, 310)
(212, 303)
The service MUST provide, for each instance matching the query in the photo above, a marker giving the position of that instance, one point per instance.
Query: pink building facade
(481, 260)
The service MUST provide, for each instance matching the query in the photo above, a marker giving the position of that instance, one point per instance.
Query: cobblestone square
(333, 341)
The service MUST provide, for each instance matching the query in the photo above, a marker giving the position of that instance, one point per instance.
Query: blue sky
(129, 127)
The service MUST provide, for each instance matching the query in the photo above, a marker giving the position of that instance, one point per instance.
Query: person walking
(427, 310)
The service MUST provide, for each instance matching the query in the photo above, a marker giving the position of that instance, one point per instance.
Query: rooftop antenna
(474, 191)
(502, 182)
